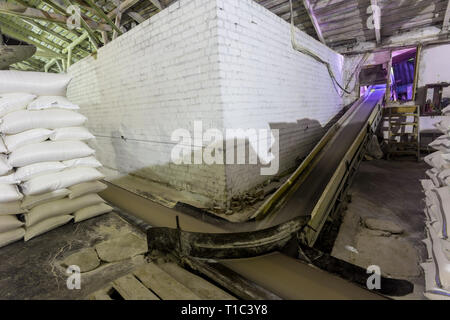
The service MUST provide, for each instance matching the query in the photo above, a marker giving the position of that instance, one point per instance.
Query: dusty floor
(35, 269)
(390, 192)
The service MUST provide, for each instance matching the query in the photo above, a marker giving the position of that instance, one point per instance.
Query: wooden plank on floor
(101, 294)
(164, 285)
(131, 289)
(202, 288)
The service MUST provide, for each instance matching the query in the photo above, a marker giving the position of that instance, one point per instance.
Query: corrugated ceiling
(341, 22)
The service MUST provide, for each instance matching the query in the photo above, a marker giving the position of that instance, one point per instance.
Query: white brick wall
(156, 78)
(228, 63)
(267, 84)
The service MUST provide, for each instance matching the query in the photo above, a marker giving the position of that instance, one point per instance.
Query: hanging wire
(319, 59)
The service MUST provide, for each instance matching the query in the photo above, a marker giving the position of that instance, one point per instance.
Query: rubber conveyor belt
(205, 234)
(289, 278)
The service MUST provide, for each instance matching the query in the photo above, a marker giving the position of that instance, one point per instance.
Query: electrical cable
(316, 57)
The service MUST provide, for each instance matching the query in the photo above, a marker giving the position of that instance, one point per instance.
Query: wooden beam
(37, 14)
(376, 19)
(103, 15)
(136, 17)
(157, 4)
(446, 25)
(118, 19)
(314, 21)
(124, 6)
(92, 37)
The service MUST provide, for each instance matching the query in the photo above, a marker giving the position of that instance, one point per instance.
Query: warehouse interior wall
(227, 63)
(433, 67)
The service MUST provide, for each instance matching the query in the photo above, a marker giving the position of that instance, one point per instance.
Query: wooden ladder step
(162, 284)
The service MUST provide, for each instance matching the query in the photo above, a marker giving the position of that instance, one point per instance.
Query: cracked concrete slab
(121, 248)
(383, 225)
(86, 259)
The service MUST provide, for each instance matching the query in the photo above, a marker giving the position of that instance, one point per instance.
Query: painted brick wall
(267, 84)
(156, 78)
(229, 63)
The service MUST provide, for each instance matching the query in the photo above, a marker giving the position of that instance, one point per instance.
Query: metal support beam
(157, 4)
(22, 36)
(36, 14)
(446, 25)
(49, 64)
(376, 12)
(314, 21)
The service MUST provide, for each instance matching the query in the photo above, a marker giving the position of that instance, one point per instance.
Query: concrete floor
(388, 191)
(34, 270)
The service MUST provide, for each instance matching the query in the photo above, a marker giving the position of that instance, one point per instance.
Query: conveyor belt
(300, 204)
(208, 237)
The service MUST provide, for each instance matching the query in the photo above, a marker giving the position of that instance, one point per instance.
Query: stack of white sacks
(48, 174)
(437, 211)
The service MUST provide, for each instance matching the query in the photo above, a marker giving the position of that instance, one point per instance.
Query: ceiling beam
(92, 36)
(103, 15)
(37, 14)
(19, 35)
(136, 17)
(376, 12)
(157, 4)
(446, 25)
(124, 6)
(118, 19)
(314, 20)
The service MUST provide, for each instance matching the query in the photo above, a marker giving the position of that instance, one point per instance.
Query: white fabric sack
(46, 226)
(4, 166)
(437, 243)
(442, 211)
(15, 141)
(10, 102)
(49, 151)
(442, 143)
(82, 189)
(11, 208)
(9, 193)
(432, 290)
(8, 223)
(90, 162)
(443, 125)
(443, 176)
(49, 102)
(3, 148)
(427, 184)
(441, 262)
(37, 169)
(38, 83)
(33, 201)
(60, 180)
(59, 207)
(91, 211)
(9, 179)
(11, 236)
(71, 133)
(433, 175)
(24, 120)
(431, 198)
(446, 111)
